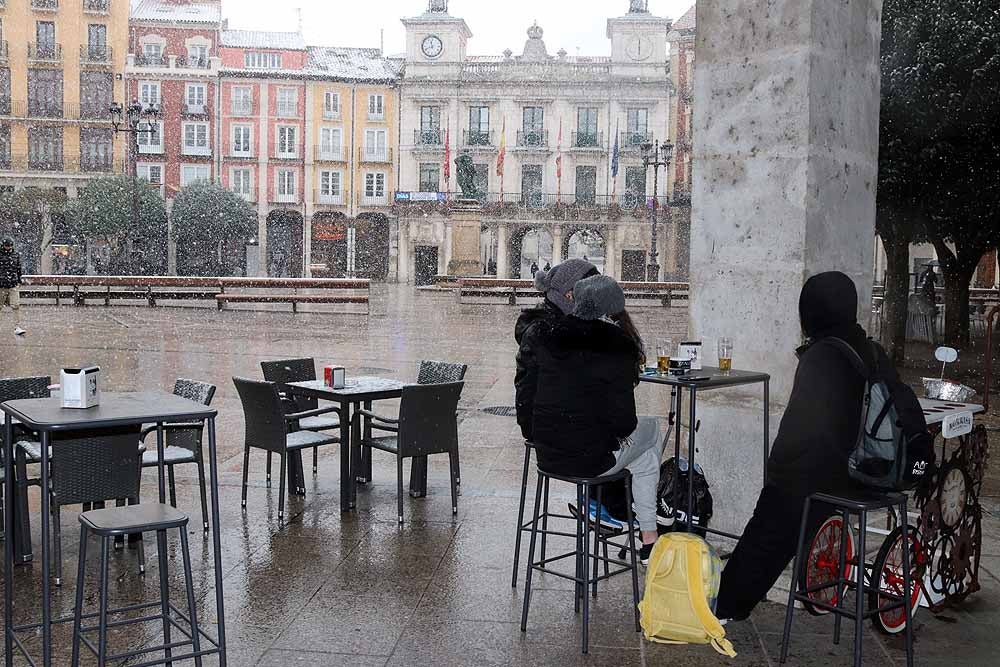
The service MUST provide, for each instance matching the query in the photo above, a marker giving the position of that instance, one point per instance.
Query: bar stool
(586, 487)
(858, 506)
(108, 524)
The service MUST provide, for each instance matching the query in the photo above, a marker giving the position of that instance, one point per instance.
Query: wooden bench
(511, 289)
(294, 299)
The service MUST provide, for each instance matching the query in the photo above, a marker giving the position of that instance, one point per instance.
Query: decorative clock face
(953, 497)
(432, 46)
(639, 48)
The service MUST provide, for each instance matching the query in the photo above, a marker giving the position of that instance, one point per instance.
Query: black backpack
(894, 450)
(671, 496)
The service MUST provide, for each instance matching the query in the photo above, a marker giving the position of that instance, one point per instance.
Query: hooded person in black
(817, 434)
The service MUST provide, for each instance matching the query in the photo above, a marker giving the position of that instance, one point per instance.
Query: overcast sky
(495, 24)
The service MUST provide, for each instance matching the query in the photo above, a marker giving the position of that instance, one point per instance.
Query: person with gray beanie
(585, 422)
(556, 285)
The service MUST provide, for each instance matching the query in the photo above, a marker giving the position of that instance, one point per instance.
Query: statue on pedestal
(465, 174)
(438, 7)
(638, 7)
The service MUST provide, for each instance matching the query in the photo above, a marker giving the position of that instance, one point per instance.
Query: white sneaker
(18, 331)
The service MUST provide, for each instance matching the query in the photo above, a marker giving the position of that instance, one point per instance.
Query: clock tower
(435, 38)
(638, 40)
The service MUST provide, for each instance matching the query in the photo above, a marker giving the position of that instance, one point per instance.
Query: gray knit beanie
(560, 279)
(596, 297)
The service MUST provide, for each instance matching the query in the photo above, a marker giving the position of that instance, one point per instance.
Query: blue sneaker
(605, 520)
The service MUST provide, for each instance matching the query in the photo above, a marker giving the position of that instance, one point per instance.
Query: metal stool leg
(161, 552)
(859, 621)
(597, 542)
(520, 516)
(908, 582)
(841, 564)
(102, 620)
(586, 571)
(531, 556)
(268, 469)
(632, 551)
(282, 478)
(581, 529)
(189, 586)
(81, 572)
(545, 516)
(796, 571)
(201, 488)
(246, 473)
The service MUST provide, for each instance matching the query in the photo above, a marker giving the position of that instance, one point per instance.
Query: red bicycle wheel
(888, 568)
(821, 563)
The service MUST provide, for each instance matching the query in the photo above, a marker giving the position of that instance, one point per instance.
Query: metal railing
(51, 53)
(196, 109)
(588, 140)
(144, 60)
(4, 51)
(375, 200)
(428, 137)
(329, 153)
(533, 138)
(25, 162)
(192, 63)
(633, 204)
(374, 154)
(97, 6)
(96, 54)
(477, 138)
(634, 140)
(38, 109)
(45, 4)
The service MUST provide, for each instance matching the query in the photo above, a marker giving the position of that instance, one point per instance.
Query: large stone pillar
(557, 244)
(785, 164)
(503, 251)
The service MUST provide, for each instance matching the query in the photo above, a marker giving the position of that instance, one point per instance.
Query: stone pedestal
(785, 133)
(466, 223)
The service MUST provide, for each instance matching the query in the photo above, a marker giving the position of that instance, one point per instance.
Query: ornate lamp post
(134, 120)
(655, 155)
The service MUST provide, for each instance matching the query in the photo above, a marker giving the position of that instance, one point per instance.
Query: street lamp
(134, 120)
(655, 155)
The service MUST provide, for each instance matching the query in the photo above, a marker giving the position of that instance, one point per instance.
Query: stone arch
(371, 246)
(530, 245)
(284, 243)
(586, 243)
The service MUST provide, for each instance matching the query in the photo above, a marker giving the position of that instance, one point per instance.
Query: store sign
(957, 424)
(326, 230)
(420, 196)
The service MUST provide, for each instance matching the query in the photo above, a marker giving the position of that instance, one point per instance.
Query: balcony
(431, 138)
(45, 53)
(241, 109)
(193, 63)
(477, 138)
(147, 60)
(96, 54)
(37, 109)
(329, 153)
(151, 149)
(533, 139)
(583, 206)
(331, 200)
(287, 155)
(588, 140)
(288, 111)
(196, 151)
(374, 154)
(374, 200)
(240, 154)
(331, 114)
(45, 5)
(96, 6)
(292, 198)
(196, 109)
(632, 141)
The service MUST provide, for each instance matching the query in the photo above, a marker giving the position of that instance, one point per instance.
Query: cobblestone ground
(332, 589)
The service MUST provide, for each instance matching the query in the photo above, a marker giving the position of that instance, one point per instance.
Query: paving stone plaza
(355, 589)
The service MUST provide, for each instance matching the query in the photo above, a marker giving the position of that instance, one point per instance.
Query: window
(286, 185)
(376, 107)
(331, 104)
(97, 42)
(151, 142)
(153, 53)
(330, 186)
(95, 94)
(196, 98)
(532, 127)
(151, 173)
(45, 36)
(45, 93)
(242, 140)
(637, 124)
(262, 60)
(531, 185)
(196, 139)
(198, 55)
(375, 145)
(4, 146)
(375, 187)
(586, 127)
(635, 187)
(95, 148)
(288, 102)
(586, 185)
(479, 126)
(192, 173)
(149, 93)
(430, 177)
(45, 148)
(4, 91)
(241, 182)
(330, 143)
(286, 141)
(430, 126)
(242, 100)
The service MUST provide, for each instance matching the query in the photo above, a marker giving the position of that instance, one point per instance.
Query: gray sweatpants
(641, 454)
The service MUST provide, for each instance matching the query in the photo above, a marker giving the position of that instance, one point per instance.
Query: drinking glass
(664, 348)
(725, 354)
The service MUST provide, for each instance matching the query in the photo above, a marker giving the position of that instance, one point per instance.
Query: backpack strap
(696, 591)
(857, 362)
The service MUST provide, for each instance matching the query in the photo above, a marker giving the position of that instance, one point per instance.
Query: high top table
(713, 379)
(46, 416)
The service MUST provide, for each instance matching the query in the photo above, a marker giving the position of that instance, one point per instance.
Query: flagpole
(559, 165)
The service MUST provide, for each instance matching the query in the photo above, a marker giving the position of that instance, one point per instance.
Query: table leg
(365, 473)
(217, 543)
(296, 475)
(346, 482)
(691, 451)
(8, 543)
(161, 466)
(418, 477)
(46, 553)
(22, 517)
(767, 425)
(676, 395)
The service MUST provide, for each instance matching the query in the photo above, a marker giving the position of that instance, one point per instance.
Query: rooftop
(685, 22)
(263, 39)
(191, 11)
(352, 63)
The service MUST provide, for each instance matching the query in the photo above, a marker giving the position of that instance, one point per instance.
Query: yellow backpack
(683, 574)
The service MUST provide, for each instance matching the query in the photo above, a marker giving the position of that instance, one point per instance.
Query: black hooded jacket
(531, 326)
(10, 269)
(585, 400)
(820, 426)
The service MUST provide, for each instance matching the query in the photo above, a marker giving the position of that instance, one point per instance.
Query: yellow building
(61, 66)
(352, 133)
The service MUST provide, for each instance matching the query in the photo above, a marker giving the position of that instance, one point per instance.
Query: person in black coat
(817, 434)
(10, 281)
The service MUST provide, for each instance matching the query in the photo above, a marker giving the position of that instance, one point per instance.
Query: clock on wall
(432, 46)
(639, 48)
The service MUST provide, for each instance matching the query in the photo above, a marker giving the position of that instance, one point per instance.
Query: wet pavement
(356, 589)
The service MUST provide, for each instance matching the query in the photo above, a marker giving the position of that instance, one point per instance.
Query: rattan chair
(14, 389)
(427, 424)
(283, 371)
(267, 428)
(182, 442)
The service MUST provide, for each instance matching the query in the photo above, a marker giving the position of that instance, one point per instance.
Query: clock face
(639, 48)
(953, 497)
(432, 46)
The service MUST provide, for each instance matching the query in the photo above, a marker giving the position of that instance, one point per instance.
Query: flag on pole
(614, 165)
(559, 165)
(447, 158)
(502, 155)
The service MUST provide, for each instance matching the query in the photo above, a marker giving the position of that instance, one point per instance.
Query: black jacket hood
(828, 302)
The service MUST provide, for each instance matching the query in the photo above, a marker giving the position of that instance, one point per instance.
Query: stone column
(503, 252)
(462, 239)
(446, 248)
(557, 244)
(263, 269)
(611, 251)
(785, 153)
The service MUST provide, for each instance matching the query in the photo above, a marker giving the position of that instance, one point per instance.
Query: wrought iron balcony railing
(433, 137)
(44, 52)
(533, 139)
(588, 140)
(95, 54)
(477, 138)
(97, 6)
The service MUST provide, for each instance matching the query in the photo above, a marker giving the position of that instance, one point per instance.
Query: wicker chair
(182, 442)
(284, 371)
(427, 424)
(14, 389)
(267, 428)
